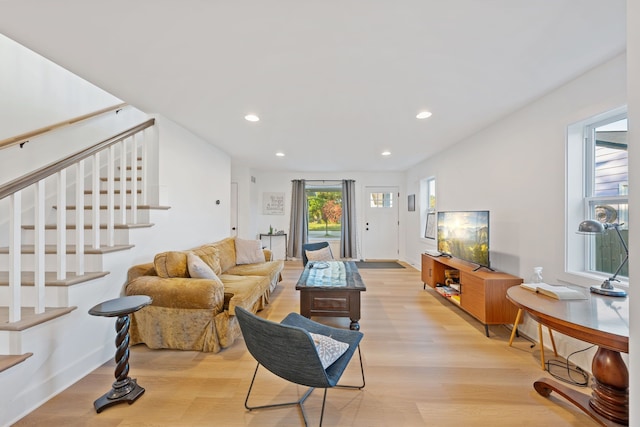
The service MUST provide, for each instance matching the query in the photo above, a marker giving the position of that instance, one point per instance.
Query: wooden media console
(483, 293)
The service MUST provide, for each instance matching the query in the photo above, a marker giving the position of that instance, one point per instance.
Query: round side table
(124, 389)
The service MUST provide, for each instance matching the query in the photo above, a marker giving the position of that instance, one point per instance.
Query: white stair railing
(14, 255)
(114, 151)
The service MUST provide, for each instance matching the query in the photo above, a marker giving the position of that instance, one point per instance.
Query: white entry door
(234, 210)
(381, 229)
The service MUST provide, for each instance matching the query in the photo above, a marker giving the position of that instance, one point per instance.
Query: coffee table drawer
(333, 303)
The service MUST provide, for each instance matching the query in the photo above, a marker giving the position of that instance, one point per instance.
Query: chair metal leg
(274, 405)
(324, 399)
(359, 387)
(298, 402)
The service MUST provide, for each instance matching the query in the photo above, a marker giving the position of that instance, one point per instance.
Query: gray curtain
(299, 218)
(348, 247)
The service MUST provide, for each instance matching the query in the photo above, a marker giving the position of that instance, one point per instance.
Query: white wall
(193, 175)
(280, 182)
(516, 169)
(35, 93)
(633, 99)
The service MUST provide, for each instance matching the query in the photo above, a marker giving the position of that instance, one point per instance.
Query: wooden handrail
(48, 170)
(26, 136)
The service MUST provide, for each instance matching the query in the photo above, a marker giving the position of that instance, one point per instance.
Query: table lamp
(606, 288)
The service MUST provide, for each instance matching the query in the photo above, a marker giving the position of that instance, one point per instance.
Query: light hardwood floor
(426, 364)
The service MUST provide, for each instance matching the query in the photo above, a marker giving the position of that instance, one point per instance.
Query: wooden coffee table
(331, 289)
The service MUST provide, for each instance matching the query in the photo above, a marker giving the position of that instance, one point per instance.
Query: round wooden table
(124, 389)
(599, 320)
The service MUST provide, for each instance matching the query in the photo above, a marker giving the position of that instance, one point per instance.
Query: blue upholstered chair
(312, 247)
(288, 351)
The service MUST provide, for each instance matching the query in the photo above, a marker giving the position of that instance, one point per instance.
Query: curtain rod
(323, 181)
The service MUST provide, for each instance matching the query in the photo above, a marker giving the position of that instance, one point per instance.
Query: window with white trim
(427, 201)
(324, 205)
(431, 195)
(597, 188)
(606, 192)
(381, 200)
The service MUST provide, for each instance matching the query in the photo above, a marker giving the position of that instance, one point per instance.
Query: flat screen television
(464, 235)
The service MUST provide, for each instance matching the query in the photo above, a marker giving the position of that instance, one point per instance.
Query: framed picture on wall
(430, 228)
(273, 203)
(411, 202)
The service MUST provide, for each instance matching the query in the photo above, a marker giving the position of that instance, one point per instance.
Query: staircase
(65, 223)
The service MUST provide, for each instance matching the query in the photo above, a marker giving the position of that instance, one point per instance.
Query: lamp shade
(591, 226)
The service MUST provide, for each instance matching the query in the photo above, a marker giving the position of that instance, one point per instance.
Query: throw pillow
(323, 254)
(198, 269)
(329, 350)
(248, 252)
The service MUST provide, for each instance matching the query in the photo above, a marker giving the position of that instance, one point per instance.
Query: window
(606, 189)
(325, 210)
(431, 194)
(427, 204)
(381, 200)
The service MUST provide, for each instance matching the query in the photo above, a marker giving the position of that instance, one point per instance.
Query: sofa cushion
(243, 291)
(226, 253)
(210, 254)
(248, 252)
(171, 264)
(271, 269)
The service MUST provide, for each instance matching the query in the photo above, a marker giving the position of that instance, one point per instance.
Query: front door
(381, 229)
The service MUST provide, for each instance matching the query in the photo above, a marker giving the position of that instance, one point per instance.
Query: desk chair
(288, 351)
(314, 247)
(553, 343)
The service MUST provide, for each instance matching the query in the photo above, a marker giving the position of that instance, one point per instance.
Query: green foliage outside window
(325, 212)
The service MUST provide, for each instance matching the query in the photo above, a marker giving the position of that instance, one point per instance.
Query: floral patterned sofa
(195, 293)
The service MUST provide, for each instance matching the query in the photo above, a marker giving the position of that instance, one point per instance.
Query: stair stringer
(68, 348)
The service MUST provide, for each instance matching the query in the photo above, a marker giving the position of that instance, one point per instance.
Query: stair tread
(9, 360)
(117, 178)
(142, 207)
(71, 249)
(27, 278)
(88, 226)
(114, 191)
(29, 318)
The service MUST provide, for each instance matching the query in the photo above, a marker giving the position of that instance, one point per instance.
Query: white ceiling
(334, 82)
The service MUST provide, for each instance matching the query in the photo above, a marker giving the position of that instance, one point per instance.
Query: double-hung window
(428, 207)
(606, 189)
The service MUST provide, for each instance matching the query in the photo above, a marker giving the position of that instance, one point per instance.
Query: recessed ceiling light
(280, 154)
(386, 153)
(423, 115)
(251, 118)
